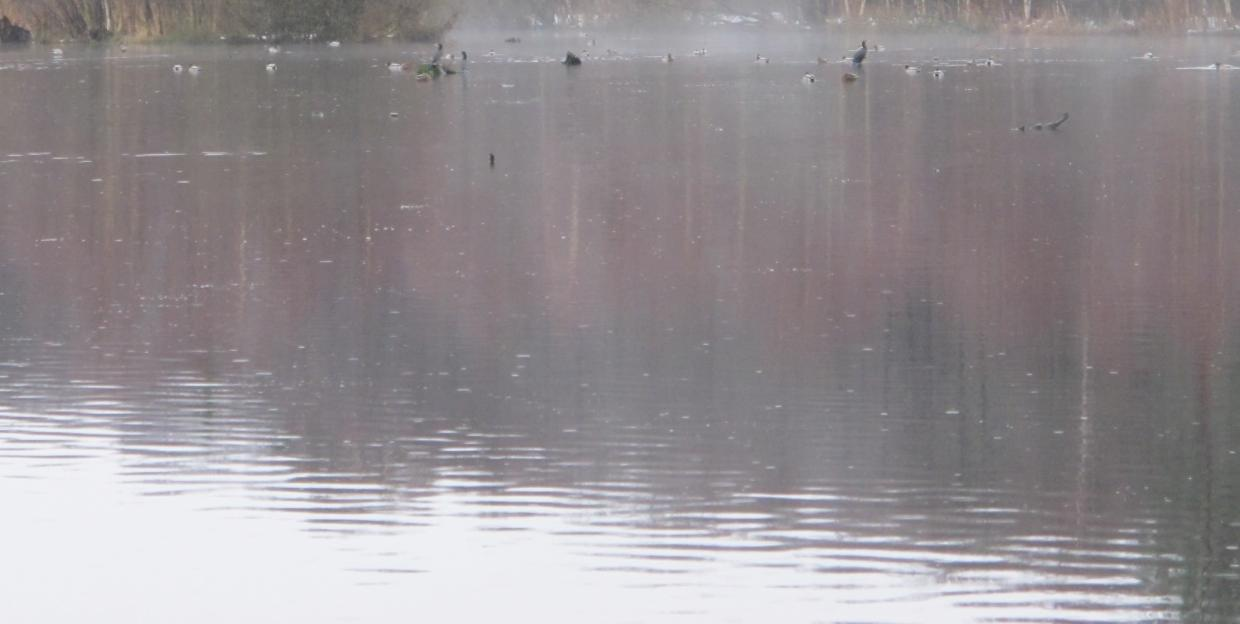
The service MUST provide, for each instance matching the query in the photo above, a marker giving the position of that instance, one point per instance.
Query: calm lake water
(707, 344)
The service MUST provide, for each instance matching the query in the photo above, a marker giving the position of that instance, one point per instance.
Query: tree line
(189, 19)
(425, 19)
(1153, 15)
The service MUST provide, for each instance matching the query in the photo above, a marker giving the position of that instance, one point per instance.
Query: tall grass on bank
(202, 19)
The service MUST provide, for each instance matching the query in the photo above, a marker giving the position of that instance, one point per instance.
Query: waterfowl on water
(761, 59)
(912, 71)
(571, 59)
(849, 77)
(194, 69)
(859, 55)
(1050, 125)
(1149, 56)
(451, 64)
(176, 69)
(333, 44)
(808, 78)
(668, 58)
(396, 66)
(273, 49)
(438, 53)
(701, 52)
(938, 73)
(271, 68)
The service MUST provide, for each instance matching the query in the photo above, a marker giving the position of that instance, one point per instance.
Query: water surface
(707, 344)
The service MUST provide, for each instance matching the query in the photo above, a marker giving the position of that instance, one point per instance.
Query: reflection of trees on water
(754, 309)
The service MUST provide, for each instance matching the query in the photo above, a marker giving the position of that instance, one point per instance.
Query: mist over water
(706, 344)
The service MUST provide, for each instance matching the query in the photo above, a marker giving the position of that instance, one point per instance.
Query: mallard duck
(859, 55)
(271, 68)
(808, 78)
(912, 71)
(194, 69)
(1149, 56)
(761, 59)
(333, 44)
(938, 74)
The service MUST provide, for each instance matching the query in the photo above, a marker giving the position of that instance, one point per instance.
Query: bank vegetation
(234, 19)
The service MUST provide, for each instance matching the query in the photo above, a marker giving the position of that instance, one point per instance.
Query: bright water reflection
(707, 344)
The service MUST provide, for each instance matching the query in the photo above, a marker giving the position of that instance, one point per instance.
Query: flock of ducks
(452, 63)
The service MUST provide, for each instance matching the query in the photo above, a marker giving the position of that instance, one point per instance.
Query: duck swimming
(808, 79)
(761, 59)
(912, 71)
(176, 69)
(938, 73)
(194, 69)
(859, 55)
(271, 68)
